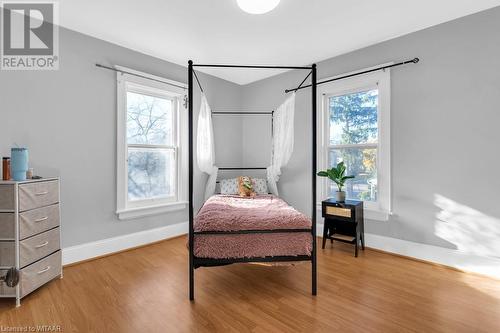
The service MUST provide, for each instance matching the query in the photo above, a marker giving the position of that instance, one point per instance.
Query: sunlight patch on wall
(468, 229)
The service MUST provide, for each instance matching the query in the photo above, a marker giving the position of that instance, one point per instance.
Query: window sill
(369, 214)
(133, 213)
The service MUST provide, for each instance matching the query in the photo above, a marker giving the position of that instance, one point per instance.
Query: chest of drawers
(30, 236)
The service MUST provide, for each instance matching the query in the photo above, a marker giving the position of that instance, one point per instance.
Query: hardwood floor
(146, 290)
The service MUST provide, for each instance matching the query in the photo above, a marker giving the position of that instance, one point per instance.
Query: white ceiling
(297, 32)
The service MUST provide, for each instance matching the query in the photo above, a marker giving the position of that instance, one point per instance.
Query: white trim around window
(381, 209)
(130, 209)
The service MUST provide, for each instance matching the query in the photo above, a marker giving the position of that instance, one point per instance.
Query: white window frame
(380, 210)
(126, 82)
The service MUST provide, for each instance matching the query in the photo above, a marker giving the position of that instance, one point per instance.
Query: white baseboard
(453, 258)
(102, 247)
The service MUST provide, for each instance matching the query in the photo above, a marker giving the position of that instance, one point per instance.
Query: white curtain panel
(282, 141)
(205, 152)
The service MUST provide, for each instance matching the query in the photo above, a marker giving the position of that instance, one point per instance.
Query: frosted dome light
(257, 6)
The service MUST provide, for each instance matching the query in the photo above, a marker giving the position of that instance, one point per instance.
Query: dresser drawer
(39, 273)
(39, 246)
(7, 226)
(7, 197)
(7, 254)
(4, 289)
(39, 194)
(38, 220)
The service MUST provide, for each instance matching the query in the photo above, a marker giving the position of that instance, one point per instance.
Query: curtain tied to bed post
(282, 145)
(205, 151)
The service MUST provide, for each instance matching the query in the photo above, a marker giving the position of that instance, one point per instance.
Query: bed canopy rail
(196, 262)
(236, 113)
(253, 66)
(412, 61)
(243, 168)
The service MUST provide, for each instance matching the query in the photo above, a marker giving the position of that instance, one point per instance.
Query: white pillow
(229, 186)
(260, 186)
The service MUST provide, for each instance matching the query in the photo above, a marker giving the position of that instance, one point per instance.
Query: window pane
(353, 118)
(149, 120)
(151, 173)
(362, 163)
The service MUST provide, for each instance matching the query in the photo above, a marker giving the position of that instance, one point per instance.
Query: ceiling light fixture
(257, 6)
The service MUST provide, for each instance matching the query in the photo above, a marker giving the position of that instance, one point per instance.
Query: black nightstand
(344, 222)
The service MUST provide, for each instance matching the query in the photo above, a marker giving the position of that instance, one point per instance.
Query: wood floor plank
(145, 289)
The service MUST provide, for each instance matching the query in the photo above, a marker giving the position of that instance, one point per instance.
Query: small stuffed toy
(245, 187)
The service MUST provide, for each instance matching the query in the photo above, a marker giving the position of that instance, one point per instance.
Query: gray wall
(444, 123)
(67, 118)
(444, 126)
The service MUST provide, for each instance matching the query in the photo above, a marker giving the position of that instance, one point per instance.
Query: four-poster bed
(283, 230)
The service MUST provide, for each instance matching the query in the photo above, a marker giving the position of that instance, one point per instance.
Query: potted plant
(337, 175)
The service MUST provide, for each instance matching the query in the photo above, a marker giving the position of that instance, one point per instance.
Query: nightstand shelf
(344, 222)
(344, 238)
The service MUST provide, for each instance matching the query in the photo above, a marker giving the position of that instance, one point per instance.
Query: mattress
(263, 212)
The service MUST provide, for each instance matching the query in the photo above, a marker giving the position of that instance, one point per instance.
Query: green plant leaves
(336, 174)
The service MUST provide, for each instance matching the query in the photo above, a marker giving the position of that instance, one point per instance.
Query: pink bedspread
(264, 212)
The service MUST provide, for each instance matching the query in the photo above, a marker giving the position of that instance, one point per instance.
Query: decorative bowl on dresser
(30, 235)
(343, 222)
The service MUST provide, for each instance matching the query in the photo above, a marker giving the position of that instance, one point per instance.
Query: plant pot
(340, 196)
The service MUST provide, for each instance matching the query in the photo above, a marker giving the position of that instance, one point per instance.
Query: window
(353, 139)
(150, 155)
(356, 130)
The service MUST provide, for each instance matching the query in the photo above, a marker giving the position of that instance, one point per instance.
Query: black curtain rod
(139, 75)
(301, 83)
(254, 66)
(252, 168)
(197, 80)
(412, 61)
(241, 113)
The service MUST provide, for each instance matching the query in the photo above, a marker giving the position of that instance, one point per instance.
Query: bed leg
(191, 277)
(191, 281)
(314, 273)
(314, 277)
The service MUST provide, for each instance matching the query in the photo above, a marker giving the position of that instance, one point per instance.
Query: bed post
(314, 165)
(190, 125)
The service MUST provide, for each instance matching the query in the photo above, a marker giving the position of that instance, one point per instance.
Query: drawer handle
(42, 193)
(44, 270)
(42, 245)
(45, 218)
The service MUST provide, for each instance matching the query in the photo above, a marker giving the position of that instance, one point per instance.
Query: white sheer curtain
(205, 151)
(282, 141)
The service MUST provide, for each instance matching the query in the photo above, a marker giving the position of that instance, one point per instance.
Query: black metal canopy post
(191, 231)
(314, 158)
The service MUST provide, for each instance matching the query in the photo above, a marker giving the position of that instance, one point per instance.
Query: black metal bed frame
(195, 262)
